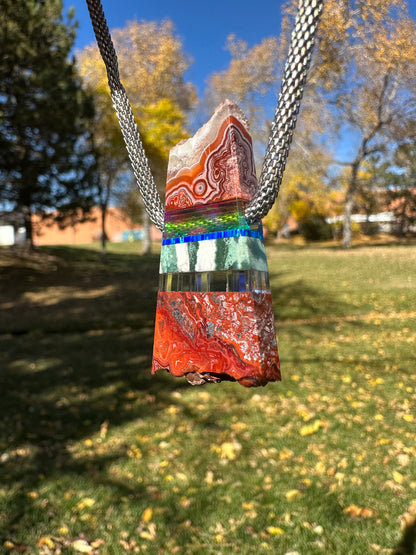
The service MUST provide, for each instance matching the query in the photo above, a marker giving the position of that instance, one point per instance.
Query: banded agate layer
(214, 317)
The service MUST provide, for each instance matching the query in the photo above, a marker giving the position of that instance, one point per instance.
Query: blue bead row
(256, 234)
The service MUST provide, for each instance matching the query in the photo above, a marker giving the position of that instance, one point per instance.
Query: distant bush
(315, 228)
(369, 228)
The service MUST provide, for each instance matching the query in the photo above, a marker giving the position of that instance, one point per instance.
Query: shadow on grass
(407, 545)
(72, 360)
(61, 289)
(75, 355)
(299, 300)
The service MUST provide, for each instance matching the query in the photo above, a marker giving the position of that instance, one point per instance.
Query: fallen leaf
(81, 546)
(397, 477)
(97, 543)
(293, 494)
(46, 540)
(85, 503)
(227, 450)
(359, 512)
(311, 429)
(146, 535)
(275, 530)
(147, 515)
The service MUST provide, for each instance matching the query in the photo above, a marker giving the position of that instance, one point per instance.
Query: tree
(402, 195)
(365, 71)
(252, 79)
(46, 158)
(152, 67)
(250, 76)
(360, 94)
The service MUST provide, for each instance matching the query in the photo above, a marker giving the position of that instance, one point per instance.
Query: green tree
(46, 157)
(152, 67)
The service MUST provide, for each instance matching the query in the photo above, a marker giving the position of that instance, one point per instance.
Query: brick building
(118, 228)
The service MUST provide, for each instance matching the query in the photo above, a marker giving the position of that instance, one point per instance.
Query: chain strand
(131, 135)
(296, 69)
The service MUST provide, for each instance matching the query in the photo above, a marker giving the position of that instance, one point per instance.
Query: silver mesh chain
(131, 135)
(296, 69)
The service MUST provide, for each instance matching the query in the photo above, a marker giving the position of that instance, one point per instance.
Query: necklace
(214, 317)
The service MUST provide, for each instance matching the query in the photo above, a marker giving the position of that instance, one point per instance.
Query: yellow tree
(304, 190)
(251, 75)
(365, 72)
(152, 66)
(252, 80)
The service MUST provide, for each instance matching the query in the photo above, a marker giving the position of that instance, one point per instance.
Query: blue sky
(203, 27)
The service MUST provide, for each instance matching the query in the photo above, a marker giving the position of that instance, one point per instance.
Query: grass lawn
(97, 456)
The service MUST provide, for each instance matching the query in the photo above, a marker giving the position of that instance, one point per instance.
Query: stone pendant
(214, 317)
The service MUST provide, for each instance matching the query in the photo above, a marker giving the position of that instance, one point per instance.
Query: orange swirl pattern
(211, 326)
(225, 171)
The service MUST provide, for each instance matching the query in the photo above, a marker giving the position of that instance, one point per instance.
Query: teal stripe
(233, 253)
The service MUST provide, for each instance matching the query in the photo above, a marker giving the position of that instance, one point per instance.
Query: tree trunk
(347, 231)
(28, 227)
(104, 202)
(147, 241)
(349, 203)
(103, 232)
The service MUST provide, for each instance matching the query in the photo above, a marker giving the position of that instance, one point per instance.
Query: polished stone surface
(214, 318)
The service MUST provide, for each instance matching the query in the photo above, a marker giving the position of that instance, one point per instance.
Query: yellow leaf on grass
(293, 494)
(397, 477)
(85, 503)
(147, 535)
(320, 467)
(134, 452)
(97, 543)
(81, 546)
(46, 540)
(275, 530)
(227, 450)
(359, 512)
(311, 428)
(408, 417)
(147, 515)
(286, 453)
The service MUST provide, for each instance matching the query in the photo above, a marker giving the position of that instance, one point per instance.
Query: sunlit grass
(98, 456)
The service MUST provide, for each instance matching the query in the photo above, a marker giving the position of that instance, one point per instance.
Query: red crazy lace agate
(214, 317)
